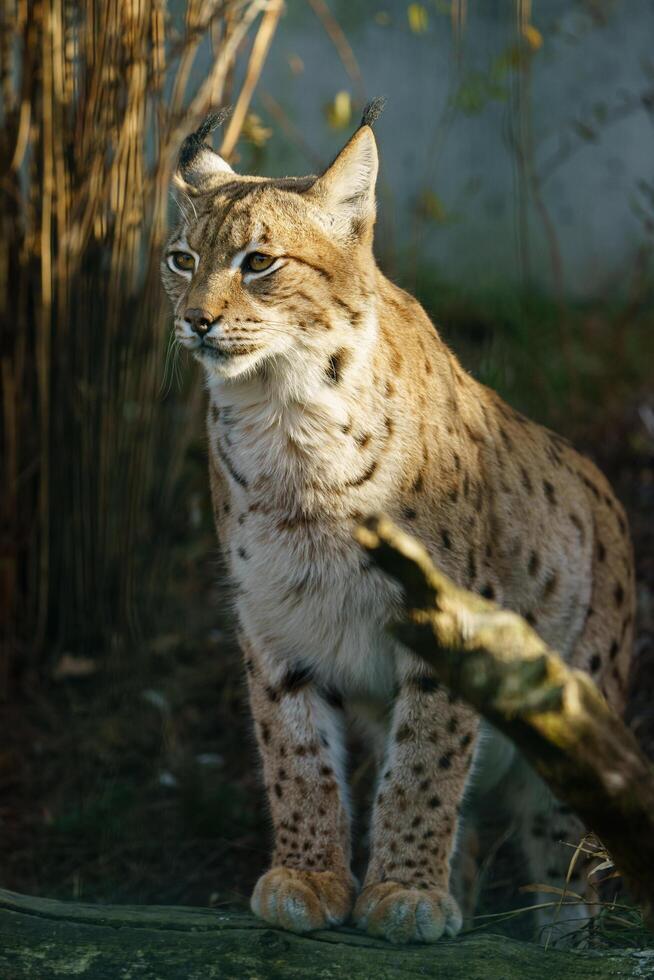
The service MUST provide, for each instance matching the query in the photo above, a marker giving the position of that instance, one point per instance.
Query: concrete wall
(596, 56)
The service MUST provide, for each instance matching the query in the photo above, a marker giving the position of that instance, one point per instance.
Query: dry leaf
(601, 867)
(418, 18)
(70, 666)
(255, 132)
(532, 36)
(296, 64)
(339, 112)
(552, 890)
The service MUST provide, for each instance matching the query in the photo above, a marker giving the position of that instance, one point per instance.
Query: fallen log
(494, 660)
(43, 939)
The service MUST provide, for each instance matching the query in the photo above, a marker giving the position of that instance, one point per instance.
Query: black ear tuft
(193, 143)
(373, 111)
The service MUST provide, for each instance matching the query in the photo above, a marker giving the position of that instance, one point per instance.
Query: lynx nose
(200, 320)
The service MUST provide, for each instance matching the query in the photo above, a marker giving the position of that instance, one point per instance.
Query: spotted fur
(330, 396)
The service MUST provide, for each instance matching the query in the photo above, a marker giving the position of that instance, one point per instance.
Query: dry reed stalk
(95, 99)
(259, 54)
(343, 47)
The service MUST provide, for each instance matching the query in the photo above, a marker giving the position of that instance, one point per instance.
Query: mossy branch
(497, 663)
(41, 938)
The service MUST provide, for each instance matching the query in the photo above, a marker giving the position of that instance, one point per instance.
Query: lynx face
(260, 271)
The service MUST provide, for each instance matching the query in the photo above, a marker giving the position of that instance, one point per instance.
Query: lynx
(331, 396)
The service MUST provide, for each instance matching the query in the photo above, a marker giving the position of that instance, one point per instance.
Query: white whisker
(177, 201)
(166, 379)
(190, 201)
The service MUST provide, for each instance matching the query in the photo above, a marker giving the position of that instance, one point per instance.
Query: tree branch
(492, 658)
(42, 938)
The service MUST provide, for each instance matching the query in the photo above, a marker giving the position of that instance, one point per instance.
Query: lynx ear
(199, 166)
(346, 190)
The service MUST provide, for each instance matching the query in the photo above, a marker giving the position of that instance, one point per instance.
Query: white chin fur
(231, 367)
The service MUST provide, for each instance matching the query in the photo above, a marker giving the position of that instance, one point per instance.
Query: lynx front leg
(309, 885)
(406, 895)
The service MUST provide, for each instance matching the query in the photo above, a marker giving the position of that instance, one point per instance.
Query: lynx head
(261, 270)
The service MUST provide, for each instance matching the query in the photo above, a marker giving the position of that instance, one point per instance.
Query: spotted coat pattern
(331, 396)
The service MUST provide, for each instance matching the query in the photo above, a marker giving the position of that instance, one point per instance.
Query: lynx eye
(257, 262)
(182, 261)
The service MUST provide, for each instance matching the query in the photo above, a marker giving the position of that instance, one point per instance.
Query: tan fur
(331, 396)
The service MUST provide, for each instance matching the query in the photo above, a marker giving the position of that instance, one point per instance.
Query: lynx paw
(403, 914)
(302, 900)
